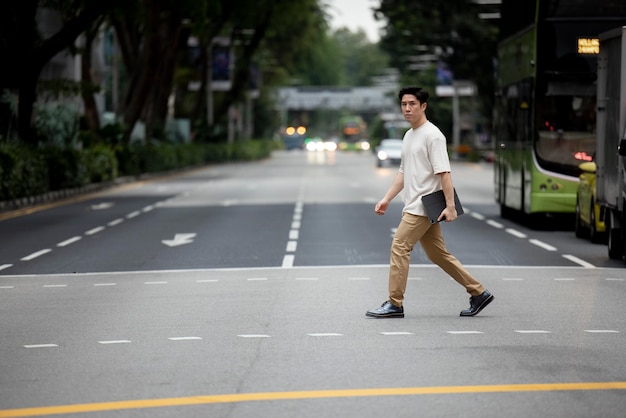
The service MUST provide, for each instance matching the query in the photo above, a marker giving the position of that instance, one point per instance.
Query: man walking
(425, 168)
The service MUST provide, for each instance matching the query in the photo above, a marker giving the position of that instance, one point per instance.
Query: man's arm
(396, 187)
(449, 213)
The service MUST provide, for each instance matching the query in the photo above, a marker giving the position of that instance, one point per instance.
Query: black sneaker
(387, 310)
(478, 303)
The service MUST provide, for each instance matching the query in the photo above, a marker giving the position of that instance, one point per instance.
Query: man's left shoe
(478, 303)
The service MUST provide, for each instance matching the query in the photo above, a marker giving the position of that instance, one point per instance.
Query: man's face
(412, 109)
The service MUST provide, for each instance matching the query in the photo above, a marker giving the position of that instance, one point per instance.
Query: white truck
(611, 138)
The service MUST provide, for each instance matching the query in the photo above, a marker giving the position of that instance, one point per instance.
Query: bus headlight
(365, 145)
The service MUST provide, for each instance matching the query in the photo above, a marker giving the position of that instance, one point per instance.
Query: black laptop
(436, 202)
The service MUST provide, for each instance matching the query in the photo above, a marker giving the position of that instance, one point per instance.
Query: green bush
(23, 172)
(102, 164)
(32, 171)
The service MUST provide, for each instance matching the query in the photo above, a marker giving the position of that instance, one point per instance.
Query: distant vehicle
(318, 144)
(589, 215)
(389, 152)
(293, 137)
(353, 134)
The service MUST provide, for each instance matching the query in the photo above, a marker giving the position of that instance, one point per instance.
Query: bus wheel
(506, 212)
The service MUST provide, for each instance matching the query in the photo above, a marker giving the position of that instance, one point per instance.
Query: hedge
(28, 171)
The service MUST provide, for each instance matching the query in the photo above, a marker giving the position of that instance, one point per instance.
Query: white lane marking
(253, 336)
(36, 254)
(325, 334)
(611, 279)
(7, 287)
(602, 331)
(542, 244)
(114, 342)
(116, 222)
(257, 279)
(288, 261)
(416, 278)
(397, 333)
(579, 261)
(306, 279)
(133, 214)
(40, 345)
(477, 216)
(150, 283)
(68, 241)
(54, 285)
(294, 235)
(95, 230)
(532, 331)
(358, 278)
(464, 332)
(147, 208)
(207, 281)
(564, 279)
(104, 284)
(5, 266)
(184, 338)
(495, 224)
(515, 233)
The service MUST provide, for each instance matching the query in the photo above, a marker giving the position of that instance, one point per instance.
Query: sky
(354, 14)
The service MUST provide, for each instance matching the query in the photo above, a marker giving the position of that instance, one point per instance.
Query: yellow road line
(314, 394)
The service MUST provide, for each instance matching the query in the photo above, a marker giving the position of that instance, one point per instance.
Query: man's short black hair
(422, 95)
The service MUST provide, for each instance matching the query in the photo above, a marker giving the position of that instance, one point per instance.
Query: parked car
(389, 152)
(589, 215)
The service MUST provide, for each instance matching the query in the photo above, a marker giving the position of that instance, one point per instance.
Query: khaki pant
(415, 228)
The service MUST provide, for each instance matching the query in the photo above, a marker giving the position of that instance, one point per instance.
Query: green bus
(544, 116)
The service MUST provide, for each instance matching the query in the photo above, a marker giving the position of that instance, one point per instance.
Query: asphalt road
(240, 291)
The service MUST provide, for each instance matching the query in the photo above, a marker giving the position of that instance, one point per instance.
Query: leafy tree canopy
(451, 30)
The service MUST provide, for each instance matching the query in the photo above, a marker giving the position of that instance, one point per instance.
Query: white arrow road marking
(102, 206)
(179, 239)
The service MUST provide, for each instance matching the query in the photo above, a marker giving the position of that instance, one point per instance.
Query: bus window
(565, 127)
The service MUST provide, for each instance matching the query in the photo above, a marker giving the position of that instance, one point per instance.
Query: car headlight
(382, 155)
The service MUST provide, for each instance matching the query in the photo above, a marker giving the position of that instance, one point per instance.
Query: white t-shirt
(424, 155)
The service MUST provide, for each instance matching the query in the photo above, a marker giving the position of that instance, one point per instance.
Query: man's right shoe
(477, 303)
(387, 310)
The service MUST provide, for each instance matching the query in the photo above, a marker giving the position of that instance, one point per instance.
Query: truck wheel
(615, 240)
(595, 236)
(579, 229)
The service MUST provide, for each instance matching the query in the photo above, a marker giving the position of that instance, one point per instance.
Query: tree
(27, 52)
(149, 34)
(450, 28)
(360, 59)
